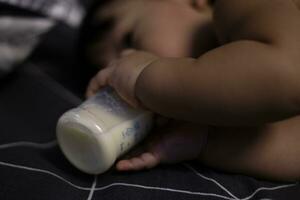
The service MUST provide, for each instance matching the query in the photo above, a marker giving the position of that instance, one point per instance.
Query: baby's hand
(122, 74)
(174, 143)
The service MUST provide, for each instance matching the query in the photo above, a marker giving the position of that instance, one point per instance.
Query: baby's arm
(253, 78)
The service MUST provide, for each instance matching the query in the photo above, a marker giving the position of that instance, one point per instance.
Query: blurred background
(43, 33)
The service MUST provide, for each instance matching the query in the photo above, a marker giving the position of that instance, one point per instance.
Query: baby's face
(168, 28)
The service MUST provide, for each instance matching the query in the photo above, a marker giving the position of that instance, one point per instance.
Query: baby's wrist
(137, 75)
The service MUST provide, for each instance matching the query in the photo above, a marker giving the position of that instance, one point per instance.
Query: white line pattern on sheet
(210, 179)
(163, 189)
(45, 172)
(29, 144)
(111, 185)
(268, 189)
(92, 189)
(245, 198)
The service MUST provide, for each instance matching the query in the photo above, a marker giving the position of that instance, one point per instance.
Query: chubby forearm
(241, 83)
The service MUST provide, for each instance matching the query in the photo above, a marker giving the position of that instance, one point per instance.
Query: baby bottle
(93, 135)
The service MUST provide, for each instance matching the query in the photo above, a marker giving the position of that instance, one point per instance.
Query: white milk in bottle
(93, 135)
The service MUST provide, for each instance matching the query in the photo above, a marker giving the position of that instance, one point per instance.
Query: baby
(236, 104)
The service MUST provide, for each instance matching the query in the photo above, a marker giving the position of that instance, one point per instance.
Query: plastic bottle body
(100, 130)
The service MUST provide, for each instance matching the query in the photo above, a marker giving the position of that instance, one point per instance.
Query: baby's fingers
(99, 81)
(144, 161)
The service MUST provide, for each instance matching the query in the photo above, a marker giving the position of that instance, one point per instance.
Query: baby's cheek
(163, 45)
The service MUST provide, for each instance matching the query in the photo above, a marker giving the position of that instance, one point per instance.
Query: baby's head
(168, 28)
